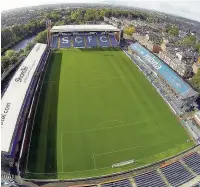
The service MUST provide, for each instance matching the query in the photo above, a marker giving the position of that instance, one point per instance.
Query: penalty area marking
(99, 154)
(79, 171)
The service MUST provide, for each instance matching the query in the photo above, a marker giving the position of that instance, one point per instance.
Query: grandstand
(173, 88)
(193, 162)
(151, 178)
(16, 105)
(84, 36)
(176, 174)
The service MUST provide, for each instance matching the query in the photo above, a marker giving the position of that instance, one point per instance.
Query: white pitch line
(159, 132)
(94, 161)
(41, 173)
(91, 130)
(61, 151)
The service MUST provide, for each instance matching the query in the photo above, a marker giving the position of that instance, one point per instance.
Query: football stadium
(85, 108)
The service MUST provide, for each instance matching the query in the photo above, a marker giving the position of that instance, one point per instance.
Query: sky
(184, 8)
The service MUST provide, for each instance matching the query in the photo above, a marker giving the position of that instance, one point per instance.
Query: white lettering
(23, 71)
(89, 39)
(3, 116)
(104, 38)
(152, 62)
(65, 40)
(78, 40)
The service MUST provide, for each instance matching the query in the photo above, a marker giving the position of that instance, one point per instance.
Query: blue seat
(193, 162)
(120, 183)
(54, 43)
(151, 178)
(176, 174)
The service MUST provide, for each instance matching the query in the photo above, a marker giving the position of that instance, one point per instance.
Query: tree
(197, 46)
(13, 59)
(174, 31)
(195, 81)
(41, 37)
(189, 41)
(7, 38)
(10, 53)
(129, 30)
(5, 62)
(168, 27)
(29, 46)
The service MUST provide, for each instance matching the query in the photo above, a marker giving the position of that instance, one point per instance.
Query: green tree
(13, 59)
(41, 37)
(10, 53)
(195, 81)
(189, 41)
(5, 62)
(129, 30)
(168, 27)
(197, 46)
(174, 31)
(29, 46)
(7, 38)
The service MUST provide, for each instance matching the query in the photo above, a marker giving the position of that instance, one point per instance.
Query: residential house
(197, 117)
(196, 66)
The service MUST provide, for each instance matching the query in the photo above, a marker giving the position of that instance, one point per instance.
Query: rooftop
(13, 99)
(84, 28)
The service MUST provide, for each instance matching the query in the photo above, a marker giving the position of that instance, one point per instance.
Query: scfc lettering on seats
(80, 39)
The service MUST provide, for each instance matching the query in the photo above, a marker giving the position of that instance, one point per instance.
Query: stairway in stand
(110, 41)
(59, 42)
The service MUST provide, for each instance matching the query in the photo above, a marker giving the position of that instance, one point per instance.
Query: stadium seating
(84, 40)
(120, 183)
(65, 41)
(91, 41)
(103, 40)
(193, 162)
(176, 174)
(151, 178)
(55, 42)
(113, 40)
(78, 41)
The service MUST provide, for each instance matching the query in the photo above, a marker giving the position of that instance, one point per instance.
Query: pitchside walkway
(84, 41)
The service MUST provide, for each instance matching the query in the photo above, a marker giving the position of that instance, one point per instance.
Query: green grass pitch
(97, 109)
